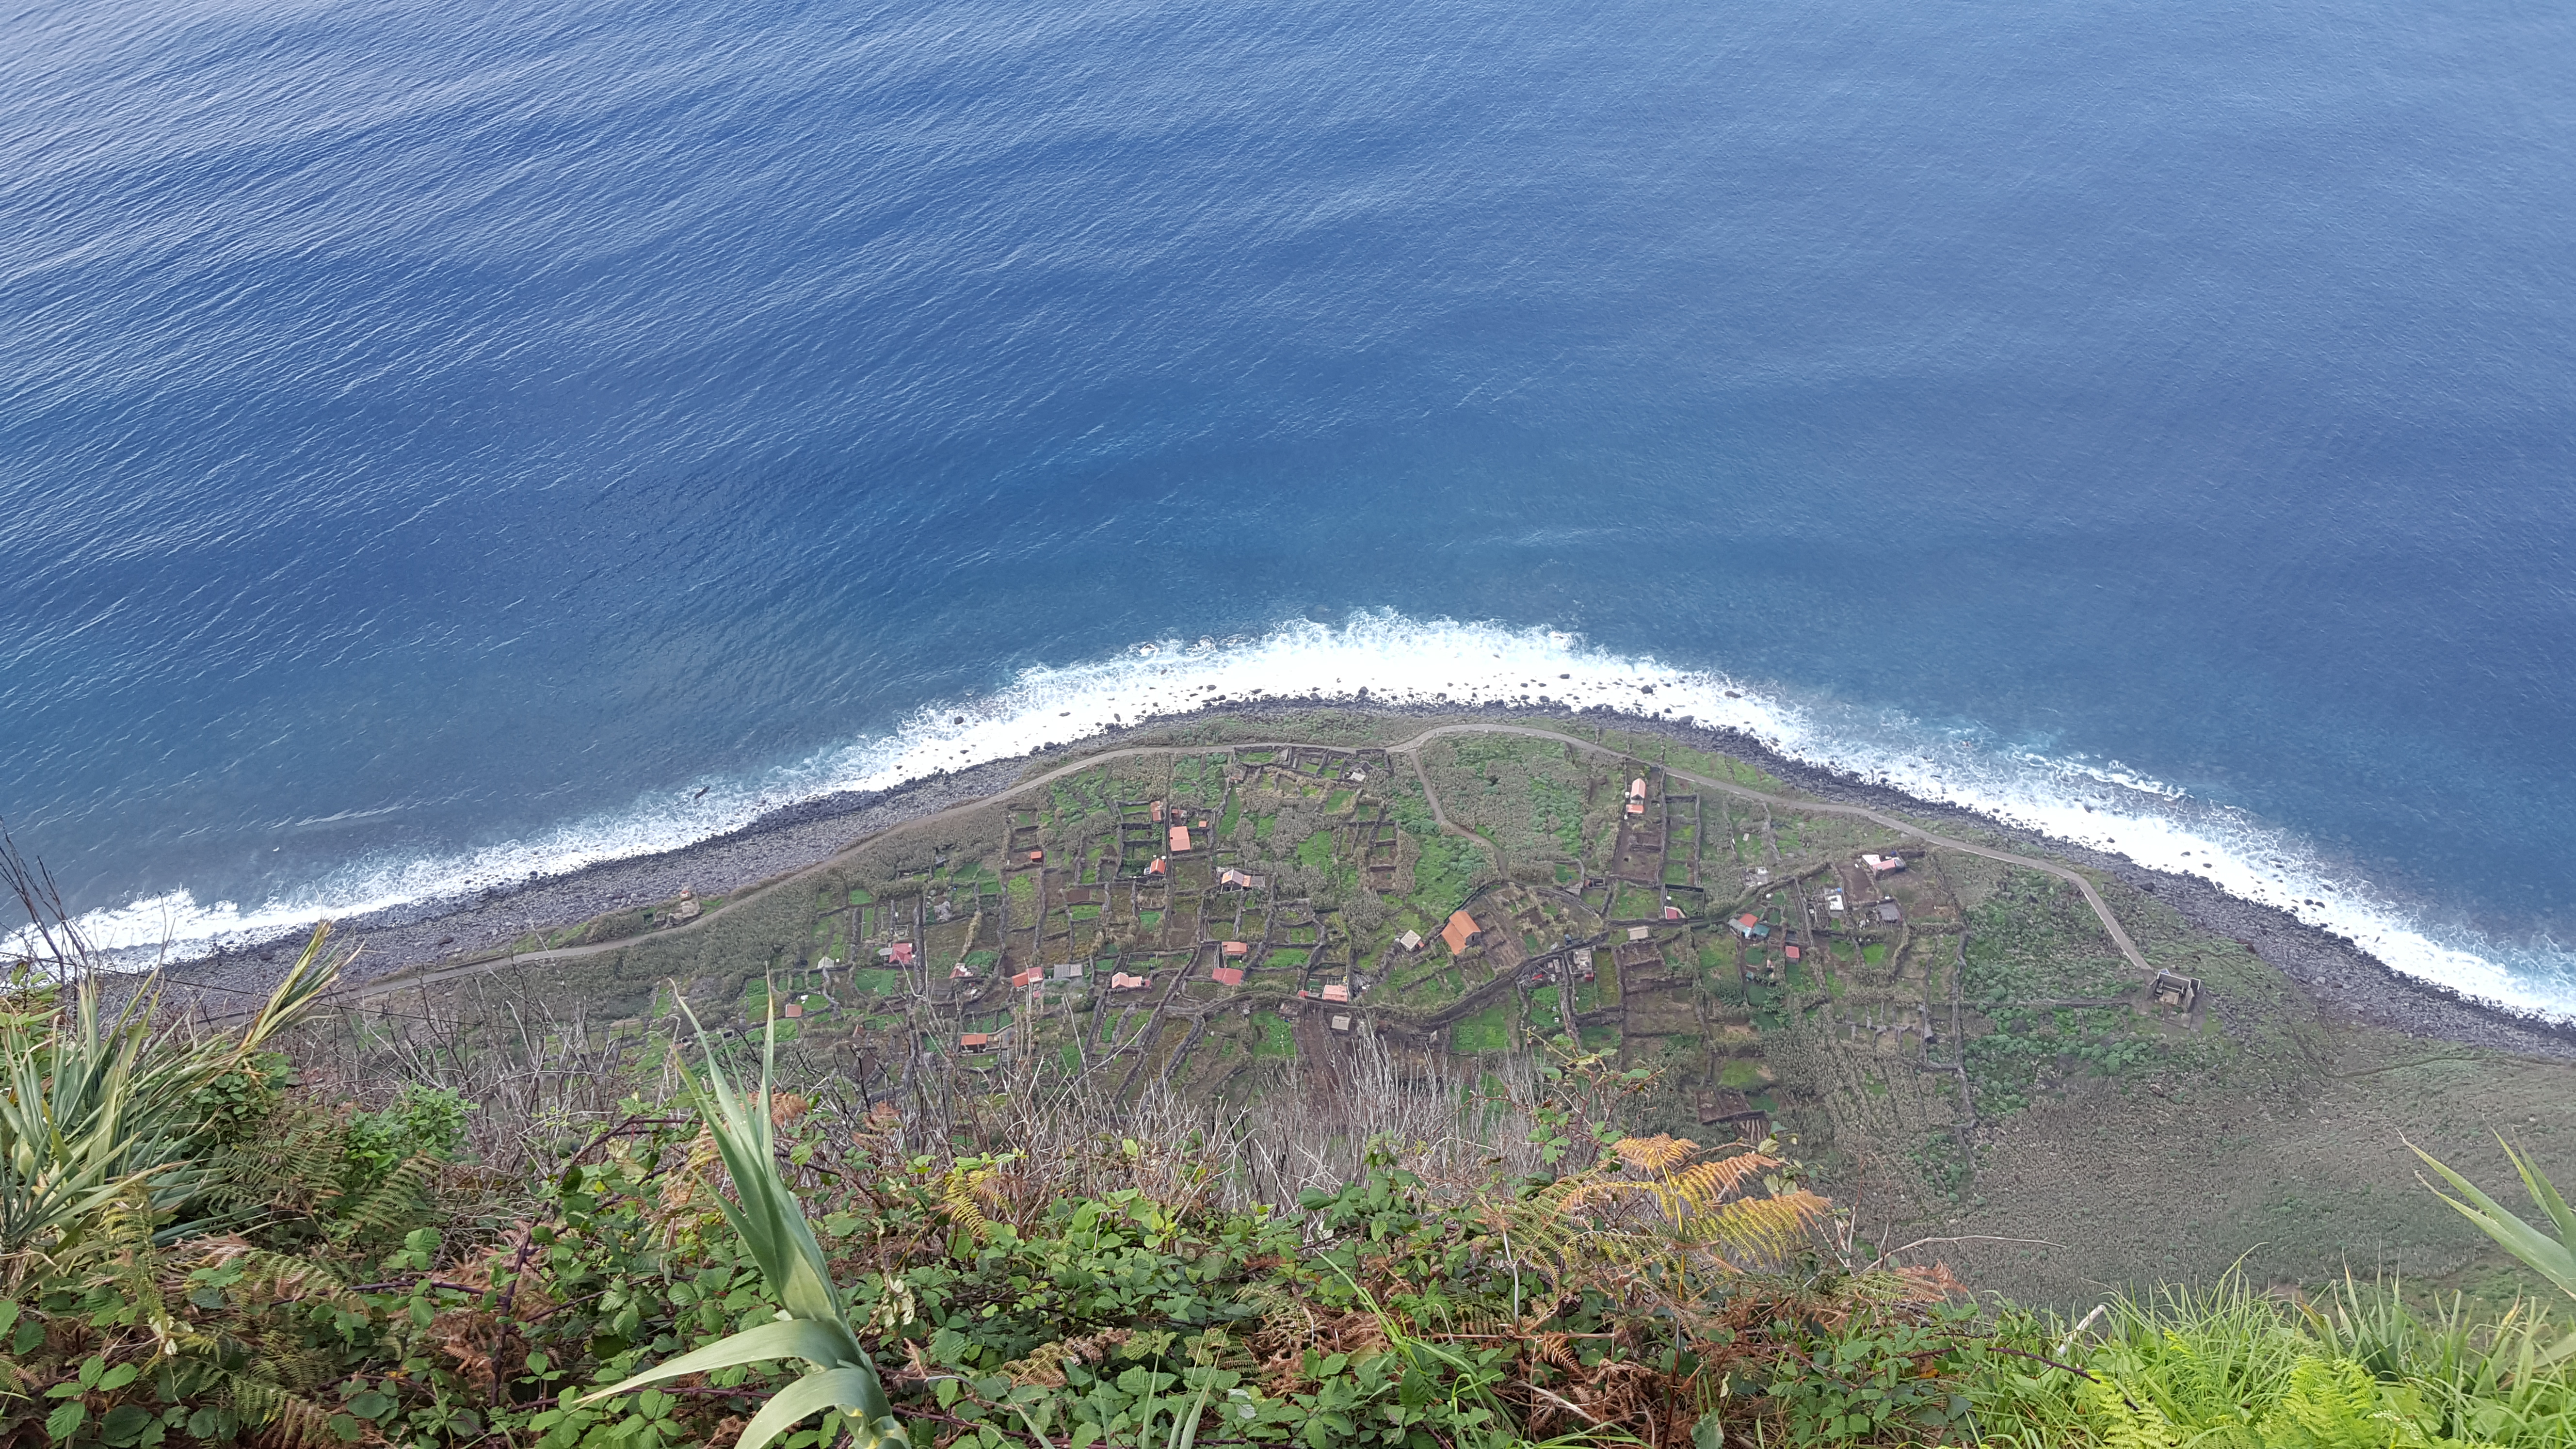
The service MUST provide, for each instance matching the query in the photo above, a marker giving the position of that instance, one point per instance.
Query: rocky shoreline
(2342, 978)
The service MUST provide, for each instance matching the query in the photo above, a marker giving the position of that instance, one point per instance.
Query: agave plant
(2552, 1258)
(96, 1107)
(814, 1327)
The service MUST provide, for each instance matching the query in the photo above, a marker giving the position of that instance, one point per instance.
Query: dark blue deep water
(436, 438)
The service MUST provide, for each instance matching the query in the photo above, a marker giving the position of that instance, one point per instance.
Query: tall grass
(2228, 1367)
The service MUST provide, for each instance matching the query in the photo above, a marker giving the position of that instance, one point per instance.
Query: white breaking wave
(1396, 660)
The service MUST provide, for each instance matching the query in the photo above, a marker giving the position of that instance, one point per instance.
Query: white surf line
(1387, 659)
(408, 981)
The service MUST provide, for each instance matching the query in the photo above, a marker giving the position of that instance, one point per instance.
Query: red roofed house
(1461, 932)
(975, 1039)
(1180, 838)
(1672, 913)
(793, 1008)
(1156, 868)
(1637, 788)
(900, 953)
(1121, 981)
(1036, 855)
(1238, 948)
(961, 972)
(1793, 953)
(1158, 812)
(1229, 976)
(1337, 992)
(1030, 977)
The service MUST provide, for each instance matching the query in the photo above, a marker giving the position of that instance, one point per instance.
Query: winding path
(1411, 749)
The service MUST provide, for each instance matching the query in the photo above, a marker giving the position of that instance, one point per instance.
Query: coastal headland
(2080, 1070)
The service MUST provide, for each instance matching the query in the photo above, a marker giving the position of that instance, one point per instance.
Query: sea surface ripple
(437, 442)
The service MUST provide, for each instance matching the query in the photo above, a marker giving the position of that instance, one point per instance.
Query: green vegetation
(1443, 874)
(714, 1266)
(1278, 1037)
(1489, 1030)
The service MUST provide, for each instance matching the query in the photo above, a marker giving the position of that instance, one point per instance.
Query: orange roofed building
(1461, 932)
(1180, 839)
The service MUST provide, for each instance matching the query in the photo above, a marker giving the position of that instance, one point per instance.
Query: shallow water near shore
(440, 446)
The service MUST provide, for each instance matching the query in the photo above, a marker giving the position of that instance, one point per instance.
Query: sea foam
(1390, 659)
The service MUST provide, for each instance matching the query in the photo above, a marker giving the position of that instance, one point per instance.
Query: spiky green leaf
(823, 1344)
(851, 1390)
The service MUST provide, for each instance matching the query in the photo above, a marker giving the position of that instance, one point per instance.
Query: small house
(1157, 868)
(1341, 1021)
(1030, 977)
(1883, 864)
(1791, 952)
(1337, 992)
(1241, 879)
(792, 1009)
(1036, 855)
(1750, 927)
(961, 972)
(1888, 912)
(1229, 975)
(1834, 902)
(1639, 933)
(1158, 812)
(1461, 933)
(1121, 981)
(1637, 788)
(1237, 948)
(900, 953)
(1672, 913)
(2174, 993)
(974, 1039)
(1066, 971)
(1410, 941)
(1180, 839)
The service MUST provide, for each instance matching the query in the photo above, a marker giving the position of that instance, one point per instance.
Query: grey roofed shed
(1887, 911)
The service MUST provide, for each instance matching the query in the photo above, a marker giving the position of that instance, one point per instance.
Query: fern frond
(2330, 1404)
(1659, 1154)
(2117, 1424)
(959, 1189)
(395, 1203)
(280, 1418)
(1705, 1185)
(1762, 1227)
(266, 1275)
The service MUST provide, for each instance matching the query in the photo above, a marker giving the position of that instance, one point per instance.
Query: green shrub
(422, 1122)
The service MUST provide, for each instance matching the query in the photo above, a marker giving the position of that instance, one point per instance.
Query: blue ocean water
(436, 440)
